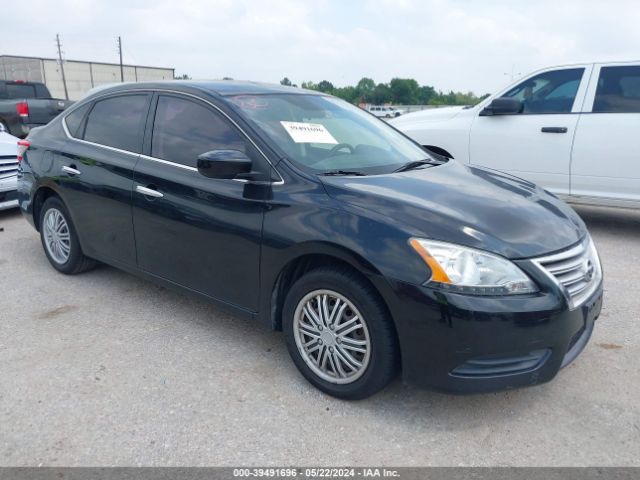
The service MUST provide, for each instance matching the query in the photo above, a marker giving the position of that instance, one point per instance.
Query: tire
(376, 335)
(67, 256)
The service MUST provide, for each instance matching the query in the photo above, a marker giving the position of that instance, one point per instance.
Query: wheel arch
(41, 195)
(314, 255)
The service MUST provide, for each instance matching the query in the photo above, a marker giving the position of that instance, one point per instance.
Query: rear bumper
(462, 344)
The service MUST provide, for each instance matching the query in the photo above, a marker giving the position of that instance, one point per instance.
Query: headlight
(466, 270)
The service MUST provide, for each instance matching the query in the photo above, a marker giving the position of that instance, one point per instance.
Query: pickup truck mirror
(502, 106)
(223, 164)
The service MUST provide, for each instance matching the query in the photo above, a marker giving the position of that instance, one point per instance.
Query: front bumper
(8, 192)
(463, 344)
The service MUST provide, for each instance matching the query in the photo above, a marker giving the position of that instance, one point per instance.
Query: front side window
(324, 134)
(548, 92)
(618, 90)
(117, 121)
(184, 129)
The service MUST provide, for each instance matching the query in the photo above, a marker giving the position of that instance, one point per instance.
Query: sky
(461, 45)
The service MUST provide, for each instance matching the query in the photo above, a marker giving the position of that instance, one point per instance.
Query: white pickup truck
(573, 129)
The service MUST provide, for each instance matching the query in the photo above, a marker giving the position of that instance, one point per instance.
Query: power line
(64, 80)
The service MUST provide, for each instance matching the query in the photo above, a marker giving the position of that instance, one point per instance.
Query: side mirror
(503, 106)
(224, 164)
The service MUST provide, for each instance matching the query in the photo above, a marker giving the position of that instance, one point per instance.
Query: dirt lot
(107, 369)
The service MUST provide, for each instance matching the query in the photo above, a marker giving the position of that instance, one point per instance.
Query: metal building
(80, 76)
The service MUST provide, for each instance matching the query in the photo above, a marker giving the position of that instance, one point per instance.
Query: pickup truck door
(605, 161)
(536, 143)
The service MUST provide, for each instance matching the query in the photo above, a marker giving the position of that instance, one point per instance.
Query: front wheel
(59, 239)
(339, 334)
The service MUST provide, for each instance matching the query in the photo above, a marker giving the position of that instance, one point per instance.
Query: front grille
(8, 166)
(502, 365)
(576, 271)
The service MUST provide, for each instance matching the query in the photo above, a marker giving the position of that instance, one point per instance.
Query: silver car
(8, 169)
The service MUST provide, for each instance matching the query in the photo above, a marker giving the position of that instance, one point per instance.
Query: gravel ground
(107, 369)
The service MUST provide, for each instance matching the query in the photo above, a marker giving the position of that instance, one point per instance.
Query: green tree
(347, 93)
(184, 76)
(286, 82)
(381, 94)
(325, 86)
(404, 91)
(364, 89)
(425, 94)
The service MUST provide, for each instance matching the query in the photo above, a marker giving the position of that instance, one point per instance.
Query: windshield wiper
(417, 163)
(336, 173)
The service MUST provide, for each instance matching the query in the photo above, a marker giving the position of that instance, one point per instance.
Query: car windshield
(328, 135)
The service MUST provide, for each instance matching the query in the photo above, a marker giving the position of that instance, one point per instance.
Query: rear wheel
(339, 333)
(59, 239)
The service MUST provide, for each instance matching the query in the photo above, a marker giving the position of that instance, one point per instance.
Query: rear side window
(618, 90)
(74, 120)
(548, 92)
(116, 122)
(183, 130)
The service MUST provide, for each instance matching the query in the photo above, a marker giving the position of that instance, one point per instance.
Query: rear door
(535, 144)
(195, 231)
(606, 154)
(95, 173)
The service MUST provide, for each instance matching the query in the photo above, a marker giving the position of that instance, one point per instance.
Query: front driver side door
(197, 232)
(535, 144)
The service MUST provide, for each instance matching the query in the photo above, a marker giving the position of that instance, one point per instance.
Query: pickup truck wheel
(339, 334)
(59, 239)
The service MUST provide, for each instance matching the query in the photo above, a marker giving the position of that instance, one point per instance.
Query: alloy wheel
(332, 336)
(57, 237)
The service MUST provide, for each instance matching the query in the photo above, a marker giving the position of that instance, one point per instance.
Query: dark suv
(314, 217)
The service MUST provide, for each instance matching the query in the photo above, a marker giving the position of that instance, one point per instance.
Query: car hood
(8, 144)
(428, 115)
(471, 206)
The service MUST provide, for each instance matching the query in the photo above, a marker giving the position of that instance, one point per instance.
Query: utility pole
(120, 53)
(513, 73)
(64, 80)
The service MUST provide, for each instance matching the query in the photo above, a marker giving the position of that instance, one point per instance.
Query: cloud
(451, 44)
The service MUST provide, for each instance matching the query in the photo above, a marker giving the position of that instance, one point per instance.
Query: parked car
(571, 129)
(386, 112)
(306, 213)
(8, 170)
(25, 105)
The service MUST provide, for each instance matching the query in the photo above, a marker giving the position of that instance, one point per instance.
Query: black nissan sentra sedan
(312, 216)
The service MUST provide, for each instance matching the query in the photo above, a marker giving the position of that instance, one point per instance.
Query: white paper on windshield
(308, 132)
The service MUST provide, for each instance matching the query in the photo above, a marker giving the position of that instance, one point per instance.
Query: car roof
(216, 87)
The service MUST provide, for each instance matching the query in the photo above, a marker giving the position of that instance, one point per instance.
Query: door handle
(554, 129)
(149, 192)
(71, 170)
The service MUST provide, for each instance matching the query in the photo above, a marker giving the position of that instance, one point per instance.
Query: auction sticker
(308, 132)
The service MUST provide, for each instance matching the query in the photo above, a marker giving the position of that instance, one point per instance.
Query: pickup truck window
(20, 90)
(548, 92)
(618, 90)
